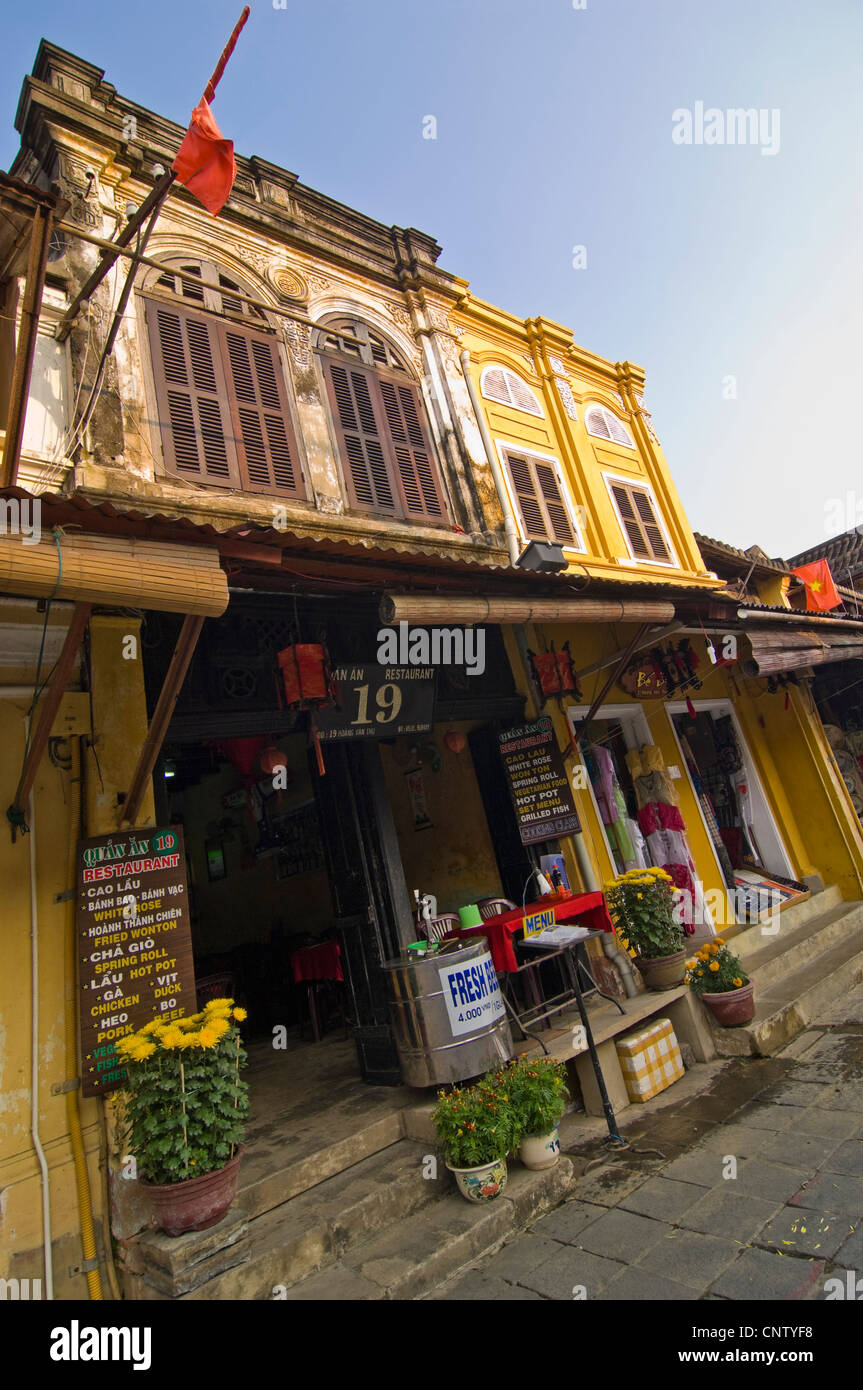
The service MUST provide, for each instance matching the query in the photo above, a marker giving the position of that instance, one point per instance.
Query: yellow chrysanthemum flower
(212, 1004)
(171, 1038)
(143, 1051)
(714, 965)
(699, 973)
(190, 1040)
(239, 1014)
(208, 1037)
(737, 982)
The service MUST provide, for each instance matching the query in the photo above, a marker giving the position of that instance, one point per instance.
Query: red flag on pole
(821, 592)
(205, 160)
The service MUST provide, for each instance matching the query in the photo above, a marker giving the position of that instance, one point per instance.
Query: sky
(730, 271)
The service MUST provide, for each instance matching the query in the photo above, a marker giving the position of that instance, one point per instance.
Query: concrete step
(787, 951)
(413, 1258)
(751, 938)
(271, 1174)
(318, 1227)
(785, 1007)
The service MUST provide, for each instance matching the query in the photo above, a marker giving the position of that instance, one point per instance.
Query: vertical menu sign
(538, 782)
(134, 944)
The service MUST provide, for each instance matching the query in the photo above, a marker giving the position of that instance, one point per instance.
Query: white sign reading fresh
(471, 994)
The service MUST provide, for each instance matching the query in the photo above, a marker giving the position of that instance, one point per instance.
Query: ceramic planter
(733, 1006)
(481, 1184)
(196, 1203)
(538, 1151)
(662, 972)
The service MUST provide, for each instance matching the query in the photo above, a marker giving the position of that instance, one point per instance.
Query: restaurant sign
(472, 995)
(134, 944)
(538, 782)
(378, 702)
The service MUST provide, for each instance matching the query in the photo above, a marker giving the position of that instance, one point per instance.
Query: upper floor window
(542, 501)
(380, 421)
(604, 424)
(220, 389)
(501, 385)
(639, 520)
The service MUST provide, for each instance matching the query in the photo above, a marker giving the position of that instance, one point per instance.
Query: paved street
(759, 1194)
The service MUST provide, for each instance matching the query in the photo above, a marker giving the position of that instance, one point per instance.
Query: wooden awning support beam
(48, 713)
(183, 653)
(617, 669)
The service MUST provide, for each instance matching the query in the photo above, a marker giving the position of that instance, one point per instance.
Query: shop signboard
(134, 943)
(378, 702)
(471, 994)
(538, 782)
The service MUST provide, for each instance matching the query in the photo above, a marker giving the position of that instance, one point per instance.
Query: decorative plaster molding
(298, 337)
(557, 366)
(565, 393)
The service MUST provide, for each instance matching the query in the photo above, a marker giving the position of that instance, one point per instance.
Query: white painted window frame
(503, 448)
(539, 413)
(597, 405)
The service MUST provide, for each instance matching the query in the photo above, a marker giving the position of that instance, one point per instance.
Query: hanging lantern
(306, 674)
(242, 753)
(455, 741)
(565, 672)
(546, 671)
(272, 759)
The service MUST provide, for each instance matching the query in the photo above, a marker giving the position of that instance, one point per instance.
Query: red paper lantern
(455, 741)
(305, 673)
(272, 759)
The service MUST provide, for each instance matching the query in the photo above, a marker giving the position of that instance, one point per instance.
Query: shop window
(220, 389)
(640, 523)
(604, 424)
(501, 385)
(380, 424)
(540, 494)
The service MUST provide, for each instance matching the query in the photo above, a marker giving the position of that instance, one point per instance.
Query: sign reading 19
(388, 699)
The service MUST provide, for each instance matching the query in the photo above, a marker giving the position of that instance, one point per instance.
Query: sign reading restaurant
(538, 782)
(134, 944)
(378, 702)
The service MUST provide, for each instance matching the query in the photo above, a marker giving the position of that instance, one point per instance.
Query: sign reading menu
(538, 782)
(134, 944)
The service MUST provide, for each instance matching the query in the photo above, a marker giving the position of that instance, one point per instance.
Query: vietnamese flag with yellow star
(821, 592)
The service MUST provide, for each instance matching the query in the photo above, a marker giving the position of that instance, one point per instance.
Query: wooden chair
(215, 987)
(490, 907)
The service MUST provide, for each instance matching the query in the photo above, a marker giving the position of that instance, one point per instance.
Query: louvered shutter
(368, 473)
(640, 523)
(190, 392)
(597, 424)
(543, 510)
(267, 449)
(412, 455)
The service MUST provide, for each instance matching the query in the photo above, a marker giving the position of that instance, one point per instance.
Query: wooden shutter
(267, 450)
(190, 392)
(640, 523)
(543, 508)
(413, 458)
(368, 473)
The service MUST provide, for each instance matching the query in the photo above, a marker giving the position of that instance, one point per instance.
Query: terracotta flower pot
(481, 1184)
(662, 972)
(732, 1007)
(196, 1203)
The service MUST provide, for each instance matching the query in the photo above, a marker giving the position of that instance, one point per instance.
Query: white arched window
(501, 385)
(604, 424)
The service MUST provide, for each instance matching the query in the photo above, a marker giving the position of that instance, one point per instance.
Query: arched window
(501, 385)
(380, 421)
(604, 424)
(220, 391)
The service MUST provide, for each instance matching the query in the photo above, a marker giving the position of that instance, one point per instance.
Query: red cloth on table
(323, 962)
(587, 909)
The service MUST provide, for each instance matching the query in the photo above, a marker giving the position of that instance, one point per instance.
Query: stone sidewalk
(766, 1203)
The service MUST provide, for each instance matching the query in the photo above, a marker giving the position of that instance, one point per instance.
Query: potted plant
(475, 1128)
(536, 1089)
(184, 1107)
(642, 904)
(717, 977)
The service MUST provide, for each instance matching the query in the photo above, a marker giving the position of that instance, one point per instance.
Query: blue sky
(705, 262)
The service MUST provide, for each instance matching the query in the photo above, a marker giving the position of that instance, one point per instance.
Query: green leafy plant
(715, 970)
(641, 904)
(185, 1102)
(537, 1092)
(474, 1124)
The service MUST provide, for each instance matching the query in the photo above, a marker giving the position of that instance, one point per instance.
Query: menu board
(378, 702)
(538, 782)
(134, 944)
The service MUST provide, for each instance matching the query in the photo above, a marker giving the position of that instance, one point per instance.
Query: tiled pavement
(766, 1204)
